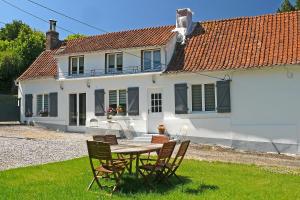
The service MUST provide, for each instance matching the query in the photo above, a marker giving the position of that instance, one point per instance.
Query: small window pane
(46, 98)
(197, 97)
(209, 90)
(111, 61)
(147, 60)
(39, 103)
(74, 65)
(112, 97)
(119, 62)
(156, 60)
(81, 65)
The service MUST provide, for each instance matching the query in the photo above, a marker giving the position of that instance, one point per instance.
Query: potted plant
(110, 112)
(120, 110)
(43, 113)
(161, 129)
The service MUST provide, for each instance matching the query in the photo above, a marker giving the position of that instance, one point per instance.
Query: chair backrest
(111, 139)
(165, 152)
(99, 150)
(99, 138)
(159, 139)
(181, 152)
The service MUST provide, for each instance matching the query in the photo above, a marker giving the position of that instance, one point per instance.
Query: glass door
(73, 109)
(82, 109)
(77, 102)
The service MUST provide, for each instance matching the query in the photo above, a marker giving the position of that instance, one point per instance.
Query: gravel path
(26, 145)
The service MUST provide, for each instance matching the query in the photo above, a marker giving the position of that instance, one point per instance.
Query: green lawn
(203, 180)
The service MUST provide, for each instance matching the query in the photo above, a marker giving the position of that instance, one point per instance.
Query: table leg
(137, 165)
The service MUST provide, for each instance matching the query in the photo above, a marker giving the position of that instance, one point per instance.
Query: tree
(297, 6)
(11, 31)
(286, 6)
(19, 47)
(74, 36)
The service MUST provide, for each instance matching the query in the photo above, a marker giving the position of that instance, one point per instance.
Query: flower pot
(161, 129)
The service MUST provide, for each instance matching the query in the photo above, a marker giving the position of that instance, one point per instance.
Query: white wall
(265, 103)
(131, 58)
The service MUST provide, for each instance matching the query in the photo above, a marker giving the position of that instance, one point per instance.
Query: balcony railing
(107, 72)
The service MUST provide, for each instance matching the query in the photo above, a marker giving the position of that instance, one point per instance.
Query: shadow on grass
(201, 189)
(132, 185)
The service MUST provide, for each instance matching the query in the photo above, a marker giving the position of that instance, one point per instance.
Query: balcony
(96, 72)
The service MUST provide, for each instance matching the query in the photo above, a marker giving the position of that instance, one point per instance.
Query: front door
(155, 109)
(77, 102)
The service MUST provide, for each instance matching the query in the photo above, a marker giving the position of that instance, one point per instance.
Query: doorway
(155, 109)
(77, 109)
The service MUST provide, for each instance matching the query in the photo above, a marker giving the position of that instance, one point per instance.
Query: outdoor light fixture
(153, 79)
(88, 83)
(61, 85)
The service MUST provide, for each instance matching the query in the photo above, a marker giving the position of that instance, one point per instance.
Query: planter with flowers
(110, 112)
(161, 129)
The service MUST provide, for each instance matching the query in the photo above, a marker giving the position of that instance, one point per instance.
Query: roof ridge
(250, 17)
(123, 31)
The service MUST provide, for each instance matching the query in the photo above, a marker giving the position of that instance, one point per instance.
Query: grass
(203, 180)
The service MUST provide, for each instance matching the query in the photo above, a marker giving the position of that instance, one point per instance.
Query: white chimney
(184, 24)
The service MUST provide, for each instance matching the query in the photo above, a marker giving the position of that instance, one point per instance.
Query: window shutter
(223, 96)
(133, 101)
(28, 105)
(53, 104)
(99, 103)
(181, 106)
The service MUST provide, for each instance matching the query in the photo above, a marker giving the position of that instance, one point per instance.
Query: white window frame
(118, 99)
(115, 62)
(203, 98)
(152, 57)
(77, 67)
(43, 103)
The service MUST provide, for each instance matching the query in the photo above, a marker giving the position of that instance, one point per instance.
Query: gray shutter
(28, 105)
(99, 103)
(53, 104)
(223, 96)
(133, 101)
(181, 106)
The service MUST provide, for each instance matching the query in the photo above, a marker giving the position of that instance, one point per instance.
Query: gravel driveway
(28, 145)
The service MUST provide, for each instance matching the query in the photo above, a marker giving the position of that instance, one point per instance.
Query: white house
(234, 82)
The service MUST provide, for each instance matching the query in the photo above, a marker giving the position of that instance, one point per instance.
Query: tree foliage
(286, 6)
(74, 36)
(19, 47)
(297, 6)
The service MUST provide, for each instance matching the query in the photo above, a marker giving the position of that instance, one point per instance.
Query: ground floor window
(156, 102)
(203, 97)
(117, 102)
(42, 105)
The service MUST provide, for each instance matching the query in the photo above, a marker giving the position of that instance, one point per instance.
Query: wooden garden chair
(108, 168)
(171, 167)
(158, 167)
(99, 138)
(112, 140)
(157, 139)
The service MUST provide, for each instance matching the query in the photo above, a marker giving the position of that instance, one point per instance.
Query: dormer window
(114, 62)
(151, 60)
(76, 64)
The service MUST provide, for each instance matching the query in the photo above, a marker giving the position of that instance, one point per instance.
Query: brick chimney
(52, 37)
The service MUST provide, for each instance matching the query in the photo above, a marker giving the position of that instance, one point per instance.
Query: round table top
(135, 148)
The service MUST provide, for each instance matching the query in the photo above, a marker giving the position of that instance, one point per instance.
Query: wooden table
(135, 149)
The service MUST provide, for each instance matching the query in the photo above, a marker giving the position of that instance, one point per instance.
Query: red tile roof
(247, 42)
(156, 36)
(43, 67)
(239, 43)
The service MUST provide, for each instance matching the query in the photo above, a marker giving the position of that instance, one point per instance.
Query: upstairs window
(42, 105)
(114, 62)
(76, 65)
(151, 60)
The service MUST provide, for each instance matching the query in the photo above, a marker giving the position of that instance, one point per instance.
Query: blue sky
(113, 15)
